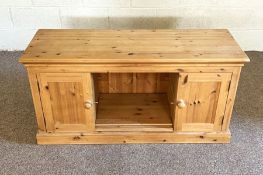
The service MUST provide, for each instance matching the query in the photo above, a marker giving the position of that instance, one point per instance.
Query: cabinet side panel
(36, 100)
(89, 94)
(172, 95)
(231, 98)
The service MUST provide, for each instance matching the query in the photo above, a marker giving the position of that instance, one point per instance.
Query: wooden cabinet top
(133, 46)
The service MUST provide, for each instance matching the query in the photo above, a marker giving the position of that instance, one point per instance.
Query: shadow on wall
(164, 22)
(119, 23)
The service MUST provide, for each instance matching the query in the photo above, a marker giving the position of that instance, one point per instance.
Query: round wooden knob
(88, 104)
(181, 103)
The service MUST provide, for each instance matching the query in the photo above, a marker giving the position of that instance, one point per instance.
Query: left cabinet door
(64, 99)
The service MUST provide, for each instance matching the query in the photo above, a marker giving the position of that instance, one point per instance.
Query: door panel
(201, 101)
(63, 97)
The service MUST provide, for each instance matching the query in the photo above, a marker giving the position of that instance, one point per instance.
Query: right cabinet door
(201, 101)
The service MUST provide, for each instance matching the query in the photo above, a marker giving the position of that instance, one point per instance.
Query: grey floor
(19, 153)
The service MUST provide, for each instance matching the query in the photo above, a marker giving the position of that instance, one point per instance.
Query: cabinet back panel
(132, 82)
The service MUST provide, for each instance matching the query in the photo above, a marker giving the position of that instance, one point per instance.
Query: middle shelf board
(133, 112)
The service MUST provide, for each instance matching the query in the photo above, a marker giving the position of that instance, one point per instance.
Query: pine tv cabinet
(133, 86)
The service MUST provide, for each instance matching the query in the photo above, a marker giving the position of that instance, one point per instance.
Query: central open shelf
(134, 102)
(133, 112)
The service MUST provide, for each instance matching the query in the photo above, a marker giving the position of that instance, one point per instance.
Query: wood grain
(138, 78)
(132, 112)
(231, 98)
(34, 86)
(133, 137)
(133, 46)
(132, 82)
(63, 97)
(205, 95)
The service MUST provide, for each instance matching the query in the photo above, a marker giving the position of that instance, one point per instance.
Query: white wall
(19, 19)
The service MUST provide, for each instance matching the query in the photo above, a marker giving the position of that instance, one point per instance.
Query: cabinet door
(201, 101)
(64, 98)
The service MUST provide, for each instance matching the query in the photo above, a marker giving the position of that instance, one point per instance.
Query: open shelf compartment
(133, 102)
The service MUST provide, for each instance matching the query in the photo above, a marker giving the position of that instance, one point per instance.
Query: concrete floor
(19, 153)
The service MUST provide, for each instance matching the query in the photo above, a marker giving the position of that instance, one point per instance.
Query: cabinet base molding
(125, 138)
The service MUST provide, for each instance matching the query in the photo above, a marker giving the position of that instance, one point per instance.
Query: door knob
(88, 104)
(181, 103)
